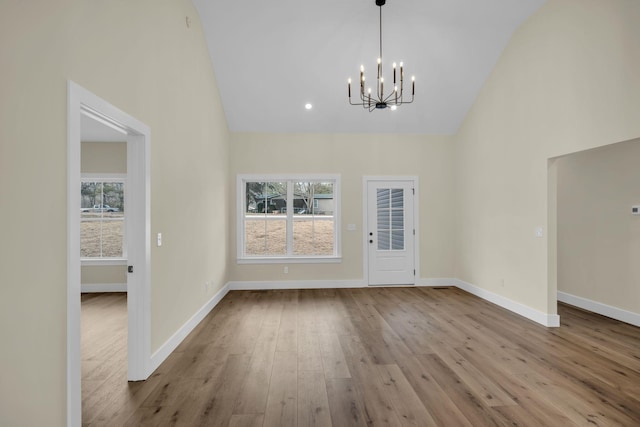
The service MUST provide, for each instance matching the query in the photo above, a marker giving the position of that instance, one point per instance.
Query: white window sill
(103, 261)
(290, 260)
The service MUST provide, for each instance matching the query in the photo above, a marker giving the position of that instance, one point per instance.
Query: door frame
(82, 102)
(365, 220)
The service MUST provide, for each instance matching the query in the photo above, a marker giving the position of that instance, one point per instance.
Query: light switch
(539, 232)
(159, 242)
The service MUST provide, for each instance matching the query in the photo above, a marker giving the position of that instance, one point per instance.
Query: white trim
(82, 102)
(290, 260)
(104, 177)
(549, 320)
(138, 235)
(600, 308)
(414, 179)
(174, 341)
(87, 288)
(74, 370)
(295, 284)
(102, 261)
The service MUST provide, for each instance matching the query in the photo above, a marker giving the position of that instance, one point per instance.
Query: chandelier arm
(392, 98)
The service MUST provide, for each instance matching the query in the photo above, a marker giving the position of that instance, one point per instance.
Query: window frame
(242, 258)
(108, 177)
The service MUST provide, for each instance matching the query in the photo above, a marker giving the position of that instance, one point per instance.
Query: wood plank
(377, 406)
(333, 360)
(255, 388)
(406, 402)
(282, 404)
(313, 403)
(246, 420)
(345, 403)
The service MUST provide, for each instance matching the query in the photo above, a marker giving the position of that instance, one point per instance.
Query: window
(288, 218)
(102, 218)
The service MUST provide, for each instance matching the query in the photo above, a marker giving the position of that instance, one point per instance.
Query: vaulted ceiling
(272, 57)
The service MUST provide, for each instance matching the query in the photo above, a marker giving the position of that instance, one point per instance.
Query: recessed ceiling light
(308, 106)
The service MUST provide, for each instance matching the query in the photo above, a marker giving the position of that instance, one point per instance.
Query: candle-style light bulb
(401, 72)
(349, 87)
(394, 73)
(413, 85)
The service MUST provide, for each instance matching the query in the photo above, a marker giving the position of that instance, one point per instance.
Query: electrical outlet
(286, 269)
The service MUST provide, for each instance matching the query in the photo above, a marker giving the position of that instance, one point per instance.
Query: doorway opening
(82, 104)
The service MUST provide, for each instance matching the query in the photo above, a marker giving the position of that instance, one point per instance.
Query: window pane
(313, 237)
(397, 198)
(383, 240)
(313, 198)
(397, 240)
(383, 198)
(397, 220)
(90, 239)
(265, 237)
(265, 197)
(383, 219)
(102, 219)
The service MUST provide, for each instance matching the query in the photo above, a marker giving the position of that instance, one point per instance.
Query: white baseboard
(444, 281)
(600, 308)
(295, 284)
(103, 287)
(172, 343)
(549, 320)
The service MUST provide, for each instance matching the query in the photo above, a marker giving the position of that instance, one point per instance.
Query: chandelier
(378, 100)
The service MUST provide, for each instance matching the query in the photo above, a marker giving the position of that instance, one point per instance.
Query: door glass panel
(390, 217)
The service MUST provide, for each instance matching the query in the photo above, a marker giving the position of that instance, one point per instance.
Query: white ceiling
(272, 57)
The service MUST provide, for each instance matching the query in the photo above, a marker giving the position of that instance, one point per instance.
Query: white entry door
(390, 232)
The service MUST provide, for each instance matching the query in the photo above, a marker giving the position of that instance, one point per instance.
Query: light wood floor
(382, 356)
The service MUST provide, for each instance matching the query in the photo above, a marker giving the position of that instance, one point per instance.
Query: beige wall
(91, 275)
(598, 238)
(567, 81)
(103, 157)
(353, 156)
(141, 57)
